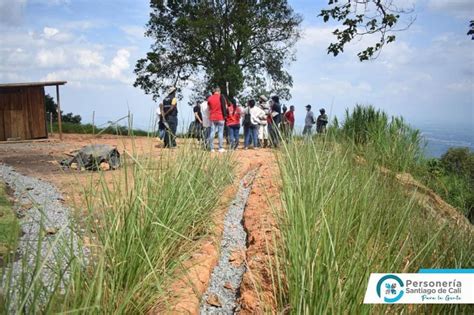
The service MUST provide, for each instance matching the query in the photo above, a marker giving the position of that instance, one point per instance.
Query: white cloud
(459, 8)
(51, 57)
(463, 86)
(53, 54)
(87, 58)
(11, 11)
(51, 33)
(133, 32)
(317, 36)
(119, 63)
(91, 69)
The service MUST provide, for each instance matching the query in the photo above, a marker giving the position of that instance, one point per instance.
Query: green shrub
(388, 142)
(68, 127)
(459, 161)
(452, 177)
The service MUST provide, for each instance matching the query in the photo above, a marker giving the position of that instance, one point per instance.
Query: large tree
(222, 42)
(381, 18)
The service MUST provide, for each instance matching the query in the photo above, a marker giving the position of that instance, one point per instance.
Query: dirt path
(257, 287)
(257, 294)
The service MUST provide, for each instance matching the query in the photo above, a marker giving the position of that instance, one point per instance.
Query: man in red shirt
(217, 114)
(289, 121)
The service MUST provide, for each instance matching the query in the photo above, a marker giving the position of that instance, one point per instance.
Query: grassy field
(343, 219)
(9, 227)
(139, 229)
(90, 129)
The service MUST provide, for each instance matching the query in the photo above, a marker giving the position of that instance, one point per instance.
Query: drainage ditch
(224, 286)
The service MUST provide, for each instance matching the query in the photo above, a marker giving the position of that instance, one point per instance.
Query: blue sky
(427, 75)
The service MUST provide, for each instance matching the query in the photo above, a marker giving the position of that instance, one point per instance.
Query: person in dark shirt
(197, 132)
(274, 121)
(169, 111)
(321, 121)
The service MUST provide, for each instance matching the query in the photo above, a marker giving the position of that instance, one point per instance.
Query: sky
(426, 75)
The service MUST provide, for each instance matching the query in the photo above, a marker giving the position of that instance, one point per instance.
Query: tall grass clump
(9, 227)
(343, 220)
(387, 141)
(140, 226)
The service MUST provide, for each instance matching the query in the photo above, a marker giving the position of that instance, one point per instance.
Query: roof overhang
(30, 84)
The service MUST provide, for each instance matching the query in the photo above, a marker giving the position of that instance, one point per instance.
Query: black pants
(274, 134)
(170, 135)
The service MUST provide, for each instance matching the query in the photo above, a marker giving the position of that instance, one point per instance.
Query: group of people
(265, 122)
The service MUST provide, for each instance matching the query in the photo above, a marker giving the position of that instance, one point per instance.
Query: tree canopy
(246, 44)
(381, 18)
(471, 29)
(52, 107)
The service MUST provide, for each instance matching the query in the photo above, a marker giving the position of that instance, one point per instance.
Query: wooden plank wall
(22, 113)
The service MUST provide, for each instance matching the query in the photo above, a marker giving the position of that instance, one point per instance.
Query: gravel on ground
(222, 294)
(43, 216)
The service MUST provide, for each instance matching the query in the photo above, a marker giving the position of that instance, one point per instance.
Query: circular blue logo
(391, 288)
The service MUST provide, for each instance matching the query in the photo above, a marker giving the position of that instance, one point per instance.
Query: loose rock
(227, 275)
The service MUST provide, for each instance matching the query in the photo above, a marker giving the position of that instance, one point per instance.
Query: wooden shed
(23, 111)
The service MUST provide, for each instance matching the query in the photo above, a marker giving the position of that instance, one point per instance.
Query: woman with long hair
(234, 113)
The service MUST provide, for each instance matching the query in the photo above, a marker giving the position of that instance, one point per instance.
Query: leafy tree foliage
(471, 29)
(71, 118)
(52, 107)
(220, 41)
(365, 17)
(459, 161)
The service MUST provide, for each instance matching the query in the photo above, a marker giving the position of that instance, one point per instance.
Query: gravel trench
(39, 206)
(223, 291)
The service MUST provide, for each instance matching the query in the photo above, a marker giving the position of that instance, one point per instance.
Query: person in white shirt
(161, 125)
(263, 126)
(206, 123)
(253, 117)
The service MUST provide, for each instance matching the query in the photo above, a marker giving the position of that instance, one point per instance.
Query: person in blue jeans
(217, 114)
(253, 115)
(234, 113)
(218, 126)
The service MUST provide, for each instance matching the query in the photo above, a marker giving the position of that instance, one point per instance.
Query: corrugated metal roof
(26, 84)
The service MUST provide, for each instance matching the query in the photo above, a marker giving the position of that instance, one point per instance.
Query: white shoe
(221, 150)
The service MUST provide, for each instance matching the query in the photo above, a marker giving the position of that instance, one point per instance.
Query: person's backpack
(224, 106)
(247, 119)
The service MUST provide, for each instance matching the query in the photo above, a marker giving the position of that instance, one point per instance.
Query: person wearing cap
(263, 124)
(169, 112)
(322, 121)
(308, 121)
(217, 114)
